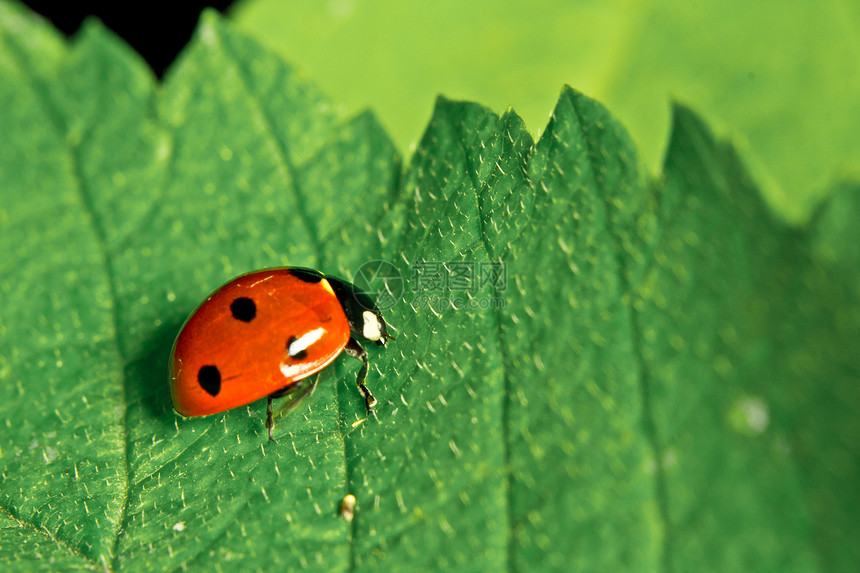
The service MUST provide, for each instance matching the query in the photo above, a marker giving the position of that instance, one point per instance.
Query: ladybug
(263, 332)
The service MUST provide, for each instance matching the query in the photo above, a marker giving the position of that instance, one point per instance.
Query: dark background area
(157, 30)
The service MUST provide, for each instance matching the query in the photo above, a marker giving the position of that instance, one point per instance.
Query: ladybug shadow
(146, 376)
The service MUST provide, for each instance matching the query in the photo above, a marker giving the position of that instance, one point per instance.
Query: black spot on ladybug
(307, 275)
(299, 354)
(210, 379)
(243, 309)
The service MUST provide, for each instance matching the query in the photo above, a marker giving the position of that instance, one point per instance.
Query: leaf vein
(282, 148)
(648, 423)
(89, 563)
(55, 115)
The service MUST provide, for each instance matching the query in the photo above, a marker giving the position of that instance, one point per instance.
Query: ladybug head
(365, 320)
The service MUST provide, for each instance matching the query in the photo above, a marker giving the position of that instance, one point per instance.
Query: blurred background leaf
(779, 77)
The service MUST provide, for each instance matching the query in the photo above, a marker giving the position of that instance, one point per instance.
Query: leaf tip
(92, 27)
(683, 116)
(209, 26)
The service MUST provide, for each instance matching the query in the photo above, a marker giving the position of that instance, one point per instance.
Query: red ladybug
(264, 331)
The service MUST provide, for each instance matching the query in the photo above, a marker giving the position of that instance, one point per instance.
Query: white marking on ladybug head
(372, 329)
(304, 341)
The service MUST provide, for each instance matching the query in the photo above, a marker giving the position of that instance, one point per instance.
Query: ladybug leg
(270, 423)
(354, 349)
(295, 393)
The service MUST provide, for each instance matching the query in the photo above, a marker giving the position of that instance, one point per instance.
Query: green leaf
(766, 72)
(750, 348)
(61, 398)
(664, 379)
